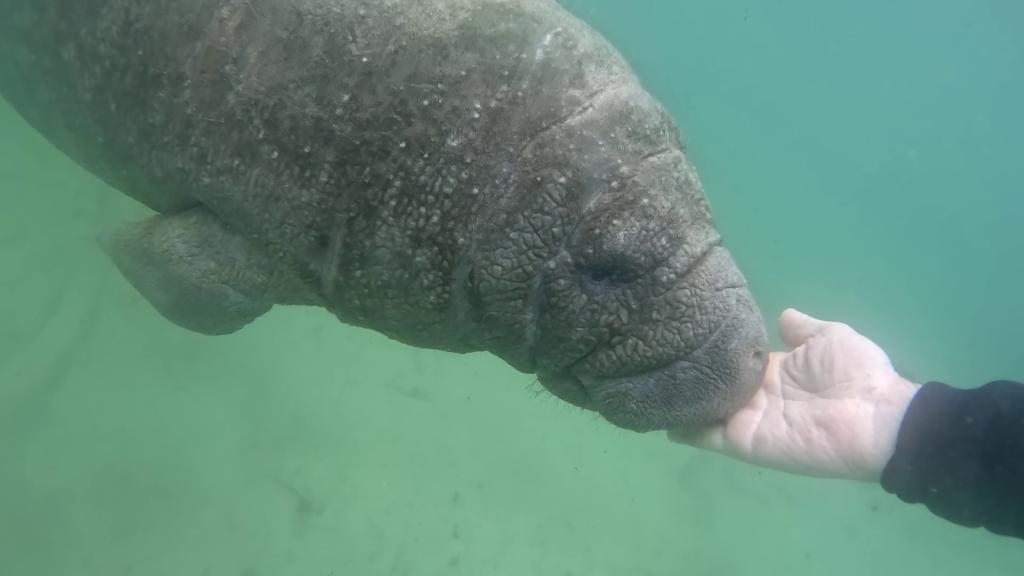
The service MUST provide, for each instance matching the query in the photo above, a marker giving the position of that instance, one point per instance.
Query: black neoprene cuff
(961, 454)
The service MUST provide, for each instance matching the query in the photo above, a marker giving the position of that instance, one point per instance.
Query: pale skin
(831, 407)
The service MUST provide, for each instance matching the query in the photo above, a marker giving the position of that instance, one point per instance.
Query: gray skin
(462, 175)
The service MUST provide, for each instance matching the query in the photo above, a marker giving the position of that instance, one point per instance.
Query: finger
(795, 327)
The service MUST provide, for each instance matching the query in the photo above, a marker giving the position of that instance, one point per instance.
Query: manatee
(461, 175)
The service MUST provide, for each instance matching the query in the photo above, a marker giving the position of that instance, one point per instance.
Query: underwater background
(864, 163)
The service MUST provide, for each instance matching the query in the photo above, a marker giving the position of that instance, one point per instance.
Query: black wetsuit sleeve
(961, 454)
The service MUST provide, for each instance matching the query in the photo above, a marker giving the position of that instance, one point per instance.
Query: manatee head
(647, 319)
(608, 266)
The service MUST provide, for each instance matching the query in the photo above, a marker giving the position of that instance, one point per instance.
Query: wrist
(888, 417)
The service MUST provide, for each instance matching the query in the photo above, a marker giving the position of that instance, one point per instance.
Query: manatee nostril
(759, 363)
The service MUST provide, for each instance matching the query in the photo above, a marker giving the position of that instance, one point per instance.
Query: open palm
(831, 407)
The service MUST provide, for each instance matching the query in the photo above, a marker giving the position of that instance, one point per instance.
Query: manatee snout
(712, 358)
(703, 386)
(646, 318)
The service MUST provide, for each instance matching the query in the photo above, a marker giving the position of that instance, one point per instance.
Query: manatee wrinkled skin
(462, 175)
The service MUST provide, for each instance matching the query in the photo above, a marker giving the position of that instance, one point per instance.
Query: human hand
(831, 407)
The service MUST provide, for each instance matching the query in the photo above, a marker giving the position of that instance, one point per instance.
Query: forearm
(961, 454)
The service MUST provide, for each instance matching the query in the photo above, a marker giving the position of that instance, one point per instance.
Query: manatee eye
(608, 273)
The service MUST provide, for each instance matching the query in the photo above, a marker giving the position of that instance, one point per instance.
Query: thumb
(795, 327)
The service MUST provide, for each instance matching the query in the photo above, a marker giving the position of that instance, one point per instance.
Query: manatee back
(376, 147)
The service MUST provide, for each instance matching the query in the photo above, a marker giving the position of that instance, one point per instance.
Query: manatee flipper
(197, 272)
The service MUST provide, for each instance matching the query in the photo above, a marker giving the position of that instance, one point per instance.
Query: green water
(863, 163)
